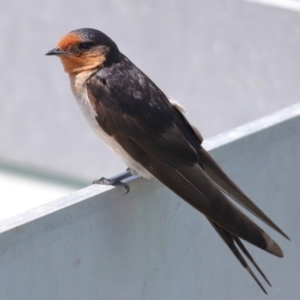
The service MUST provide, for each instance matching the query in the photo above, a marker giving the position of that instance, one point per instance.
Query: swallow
(152, 136)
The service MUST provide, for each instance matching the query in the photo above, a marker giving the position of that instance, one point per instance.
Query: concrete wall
(227, 61)
(149, 244)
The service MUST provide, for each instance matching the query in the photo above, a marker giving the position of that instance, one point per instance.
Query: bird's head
(85, 49)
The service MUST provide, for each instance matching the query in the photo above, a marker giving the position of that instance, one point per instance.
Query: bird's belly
(90, 115)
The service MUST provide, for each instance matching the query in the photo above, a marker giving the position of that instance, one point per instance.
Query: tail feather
(245, 251)
(193, 185)
(200, 184)
(230, 188)
(229, 240)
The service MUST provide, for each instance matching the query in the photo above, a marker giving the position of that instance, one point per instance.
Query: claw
(116, 181)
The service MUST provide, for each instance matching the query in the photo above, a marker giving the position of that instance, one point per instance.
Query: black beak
(56, 51)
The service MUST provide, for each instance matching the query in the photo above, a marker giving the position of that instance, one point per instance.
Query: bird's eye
(85, 46)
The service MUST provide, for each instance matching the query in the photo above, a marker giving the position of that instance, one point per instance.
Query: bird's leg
(116, 181)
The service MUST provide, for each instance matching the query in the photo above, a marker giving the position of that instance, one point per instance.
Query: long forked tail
(232, 242)
(224, 183)
(198, 189)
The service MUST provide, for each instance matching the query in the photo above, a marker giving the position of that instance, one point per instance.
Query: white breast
(82, 99)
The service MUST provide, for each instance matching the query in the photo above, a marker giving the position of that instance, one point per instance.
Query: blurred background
(227, 61)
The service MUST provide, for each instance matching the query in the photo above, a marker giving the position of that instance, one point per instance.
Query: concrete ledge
(99, 244)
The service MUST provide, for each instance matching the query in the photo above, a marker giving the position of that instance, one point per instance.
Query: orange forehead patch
(67, 40)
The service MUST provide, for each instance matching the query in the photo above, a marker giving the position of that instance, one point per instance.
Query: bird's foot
(116, 181)
(105, 181)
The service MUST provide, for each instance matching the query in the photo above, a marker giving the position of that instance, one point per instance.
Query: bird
(151, 134)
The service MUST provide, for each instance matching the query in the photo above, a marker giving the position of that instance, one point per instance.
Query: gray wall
(227, 61)
(151, 245)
